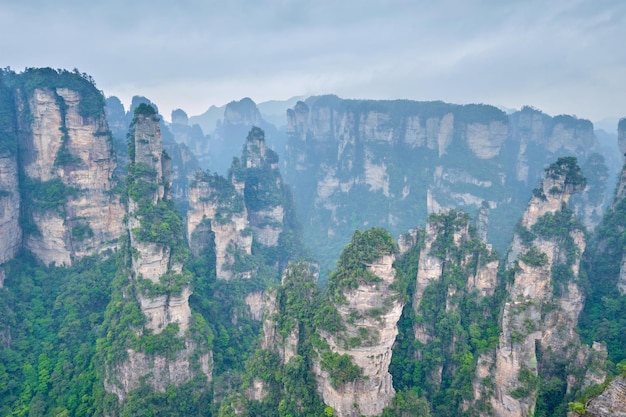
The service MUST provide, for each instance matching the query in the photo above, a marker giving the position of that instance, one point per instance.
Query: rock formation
(67, 160)
(157, 251)
(216, 206)
(10, 229)
(352, 372)
(359, 163)
(612, 402)
(544, 299)
(224, 142)
(252, 205)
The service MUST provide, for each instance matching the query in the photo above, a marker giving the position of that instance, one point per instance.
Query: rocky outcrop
(263, 189)
(157, 371)
(157, 251)
(368, 310)
(10, 229)
(251, 205)
(456, 271)
(217, 206)
(372, 390)
(68, 163)
(544, 300)
(10, 201)
(612, 402)
(286, 312)
(191, 136)
(361, 163)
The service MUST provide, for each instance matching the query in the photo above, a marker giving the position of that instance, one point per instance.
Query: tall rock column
(453, 305)
(216, 206)
(66, 156)
(360, 328)
(541, 312)
(165, 350)
(10, 229)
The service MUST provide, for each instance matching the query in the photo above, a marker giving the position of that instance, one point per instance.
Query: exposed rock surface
(161, 287)
(215, 205)
(157, 371)
(612, 402)
(60, 144)
(541, 311)
(371, 163)
(373, 390)
(10, 229)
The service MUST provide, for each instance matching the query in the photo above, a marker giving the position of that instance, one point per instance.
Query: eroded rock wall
(59, 144)
(544, 299)
(161, 287)
(373, 390)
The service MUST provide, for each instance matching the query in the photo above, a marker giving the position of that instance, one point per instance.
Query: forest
(213, 300)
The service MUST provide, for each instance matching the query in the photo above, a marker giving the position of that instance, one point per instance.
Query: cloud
(560, 56)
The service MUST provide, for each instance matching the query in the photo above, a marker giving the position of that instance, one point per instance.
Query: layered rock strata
(68, 165)
(369, 313)
(161, 286)
(544, 299)
(216, 206)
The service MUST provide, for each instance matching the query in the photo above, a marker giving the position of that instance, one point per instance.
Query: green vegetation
(8, 133)
(53, 316)
(534, 257)
(144, 109)
(604, 316)
(351, 271)
(81, 232)
(568, 168)
(407, 404)
(459, 323)
(341, 368)
(290, 386)
(91, 99)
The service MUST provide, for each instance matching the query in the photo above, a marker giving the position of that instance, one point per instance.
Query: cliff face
(252, 205)
(453, 308)
(358, 163)
(66, 157)
(216, 206)
(157, 252)
(263, 190)
(10, 228)
(612, 402)
(9, 206)
(544, 299)
(368, 311)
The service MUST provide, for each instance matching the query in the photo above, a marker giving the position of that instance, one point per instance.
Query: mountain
(155, 288)
(58, 163)
(232, 123)
(364, 163)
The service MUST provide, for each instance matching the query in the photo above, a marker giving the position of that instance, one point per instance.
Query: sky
(560, 56)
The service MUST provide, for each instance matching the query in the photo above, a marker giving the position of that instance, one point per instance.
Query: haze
(559, 56)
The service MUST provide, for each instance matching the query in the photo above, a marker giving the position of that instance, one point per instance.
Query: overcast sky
(561, 56)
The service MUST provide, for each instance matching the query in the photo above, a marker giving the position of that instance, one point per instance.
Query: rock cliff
(361, 163)
(157, 251)
(454, 310)
(353, 367)
(10, 229)
(67, 161)
(216, 206)
(540, 314)
(612, 402)
(252, 207)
